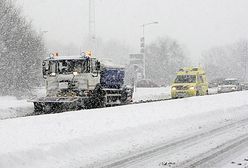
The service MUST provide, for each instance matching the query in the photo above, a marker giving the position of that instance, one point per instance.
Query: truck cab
(189, 82)
(70, 75)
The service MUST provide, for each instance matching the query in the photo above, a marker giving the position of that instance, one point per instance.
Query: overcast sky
(197, 24)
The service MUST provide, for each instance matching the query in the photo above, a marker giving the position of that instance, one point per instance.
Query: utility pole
(92, 35)
(142, 46)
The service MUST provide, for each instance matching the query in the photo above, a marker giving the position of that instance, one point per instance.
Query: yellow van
(189, 82)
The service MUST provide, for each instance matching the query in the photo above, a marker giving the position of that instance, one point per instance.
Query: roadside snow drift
(10, 107)
(151, 93)
(89, 137)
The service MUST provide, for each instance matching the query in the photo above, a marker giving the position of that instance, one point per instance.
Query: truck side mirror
(98, 66)
(44, 69)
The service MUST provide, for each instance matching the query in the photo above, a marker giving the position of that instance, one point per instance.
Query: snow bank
(157, 93)
(10, 107)
(151, 93)
(82, 138)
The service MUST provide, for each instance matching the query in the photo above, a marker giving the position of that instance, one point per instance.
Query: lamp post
(142, 46)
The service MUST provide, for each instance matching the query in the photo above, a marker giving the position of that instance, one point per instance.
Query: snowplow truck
(81, 82)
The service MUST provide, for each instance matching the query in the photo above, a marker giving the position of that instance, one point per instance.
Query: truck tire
(126, 96)
(38, 108)
(99, 97)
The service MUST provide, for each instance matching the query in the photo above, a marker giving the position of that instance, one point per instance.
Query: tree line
(163, 58)
(21, 52)
(228, 61)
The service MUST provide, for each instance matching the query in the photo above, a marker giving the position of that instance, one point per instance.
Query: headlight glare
(173, 88)
(192, 88)
(53, 74)
(75, 73)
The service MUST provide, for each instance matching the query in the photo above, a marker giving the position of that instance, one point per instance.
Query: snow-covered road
(203, 149)
(92, 138)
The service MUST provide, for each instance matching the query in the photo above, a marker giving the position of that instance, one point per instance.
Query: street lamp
(142, 46)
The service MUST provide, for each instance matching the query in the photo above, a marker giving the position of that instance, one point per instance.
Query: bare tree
(21, 52)
(227, 61)
(163, 59)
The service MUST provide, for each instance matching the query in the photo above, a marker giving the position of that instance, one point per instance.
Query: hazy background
(209, 33)
(196, 24)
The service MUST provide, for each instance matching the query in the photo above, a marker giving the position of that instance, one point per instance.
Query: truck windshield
(185, 79)
(230, 82)
(69, 66)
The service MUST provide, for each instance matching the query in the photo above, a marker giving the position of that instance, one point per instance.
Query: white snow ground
(10, 107)
(151, 93)
(88, 137)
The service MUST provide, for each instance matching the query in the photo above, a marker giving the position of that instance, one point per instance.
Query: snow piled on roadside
(151, 93)
(10, 107)
(157, 93)
(89, 137)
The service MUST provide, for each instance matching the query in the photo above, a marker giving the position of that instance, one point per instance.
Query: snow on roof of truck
(191, 70)
(110, 64)
(105, 63)
(64, 57)
(230, 79)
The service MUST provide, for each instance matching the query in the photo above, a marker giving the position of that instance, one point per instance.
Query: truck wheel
(126, 96)
(88, 103)
(38, 108)
(97, 102)
(98, 98)
(102, 102)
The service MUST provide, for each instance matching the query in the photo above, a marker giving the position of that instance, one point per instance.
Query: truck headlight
(75, 73)
(53, 74)
(192, 88)
(173, 88)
